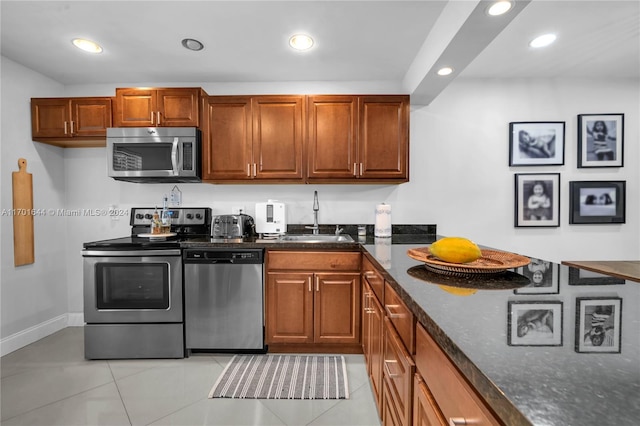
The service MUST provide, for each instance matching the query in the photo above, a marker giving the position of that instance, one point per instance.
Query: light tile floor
(50, 383)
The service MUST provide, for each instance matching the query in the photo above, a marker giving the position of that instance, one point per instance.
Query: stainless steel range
(133, 291)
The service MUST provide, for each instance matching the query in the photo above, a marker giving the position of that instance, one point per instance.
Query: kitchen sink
(318, 238)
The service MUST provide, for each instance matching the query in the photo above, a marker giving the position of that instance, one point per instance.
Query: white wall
(460, 178)
(33, 297)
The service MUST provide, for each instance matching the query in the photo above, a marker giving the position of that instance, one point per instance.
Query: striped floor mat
(283, 377)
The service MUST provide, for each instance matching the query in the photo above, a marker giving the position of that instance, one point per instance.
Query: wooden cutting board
(23, 248)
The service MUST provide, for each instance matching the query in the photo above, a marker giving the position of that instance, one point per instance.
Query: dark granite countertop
(540, 378)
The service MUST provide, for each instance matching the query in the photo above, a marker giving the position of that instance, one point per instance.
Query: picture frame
(536, 143)
(600, 140)
(579, 276)
(598, 324)
(536, 323)
(537, 200)
(544, 277)
(597, 202)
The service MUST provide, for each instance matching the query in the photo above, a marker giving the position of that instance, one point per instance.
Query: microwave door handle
(175, 157)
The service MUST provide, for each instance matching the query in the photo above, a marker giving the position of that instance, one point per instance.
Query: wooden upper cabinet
(383, 149)
(333, 136)
(257, 138)
(277, 137)
(71, 122)
(358, 137)
(227, 138)
(157, 107)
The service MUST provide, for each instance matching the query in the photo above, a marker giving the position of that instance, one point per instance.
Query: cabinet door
(289, 308)
(177, 107)
(337, 308)
(425, 408)
(226, 151)
(333, 136)
(384, 137)
(135, 108)
(277, 137)
(374, 317)
(398, 371)
(50, 118)
(451, 391)
(91, 116)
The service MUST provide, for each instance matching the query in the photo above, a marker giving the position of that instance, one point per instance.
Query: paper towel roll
(383, 220)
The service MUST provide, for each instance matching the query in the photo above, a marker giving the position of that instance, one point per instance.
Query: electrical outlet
(237, 210)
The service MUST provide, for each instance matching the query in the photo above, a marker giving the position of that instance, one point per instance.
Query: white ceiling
(363, 41)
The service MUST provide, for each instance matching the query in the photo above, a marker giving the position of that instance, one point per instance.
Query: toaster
(232, 226)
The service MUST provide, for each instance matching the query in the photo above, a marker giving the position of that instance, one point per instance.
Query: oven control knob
(139, 216)
(189, 216)
(148, 216)
(198, 216)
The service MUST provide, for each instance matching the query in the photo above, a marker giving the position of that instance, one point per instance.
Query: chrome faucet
(316, 207)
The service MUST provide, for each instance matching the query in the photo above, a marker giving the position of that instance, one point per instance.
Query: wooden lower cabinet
(457, 400)
(289, 308)
(372, 335)
(320, 305)
(425, 408)
(398, 370)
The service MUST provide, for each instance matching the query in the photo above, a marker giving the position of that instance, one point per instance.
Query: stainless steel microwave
(154, 154)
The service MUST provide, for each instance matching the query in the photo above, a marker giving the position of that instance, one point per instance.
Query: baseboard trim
(33, 334)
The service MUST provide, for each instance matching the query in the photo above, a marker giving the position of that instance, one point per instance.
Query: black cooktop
(134, 242)
(186, 223)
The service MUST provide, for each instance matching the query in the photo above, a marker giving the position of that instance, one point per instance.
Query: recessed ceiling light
(445, 71)
(192, 44)
(87, 45)
(543, 40)
(301, 42)
(499, 8)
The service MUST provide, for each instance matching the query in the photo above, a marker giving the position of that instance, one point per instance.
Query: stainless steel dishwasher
(224, 300)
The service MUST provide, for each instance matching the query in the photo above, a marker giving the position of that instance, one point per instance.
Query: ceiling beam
(461, 33)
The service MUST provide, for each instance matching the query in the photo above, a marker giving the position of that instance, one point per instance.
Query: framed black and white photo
(534, 323)
(598, 324)
(537, 200)
(600, 140)
(578, 276)
(544, 277)
(536, 143)
(597, 202)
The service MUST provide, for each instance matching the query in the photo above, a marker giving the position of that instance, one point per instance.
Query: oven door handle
(130, 253)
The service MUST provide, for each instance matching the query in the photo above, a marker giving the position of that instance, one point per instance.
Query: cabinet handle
(457, 421)
(71, 126)
(158, 118)
(65, 127)
(390, 313)
(254, 170)
(370, 310)
(388, 370)
(355, 169)
(317, 284)
(360, 169)
(309, 283)
(152, 118)
(248, 170)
